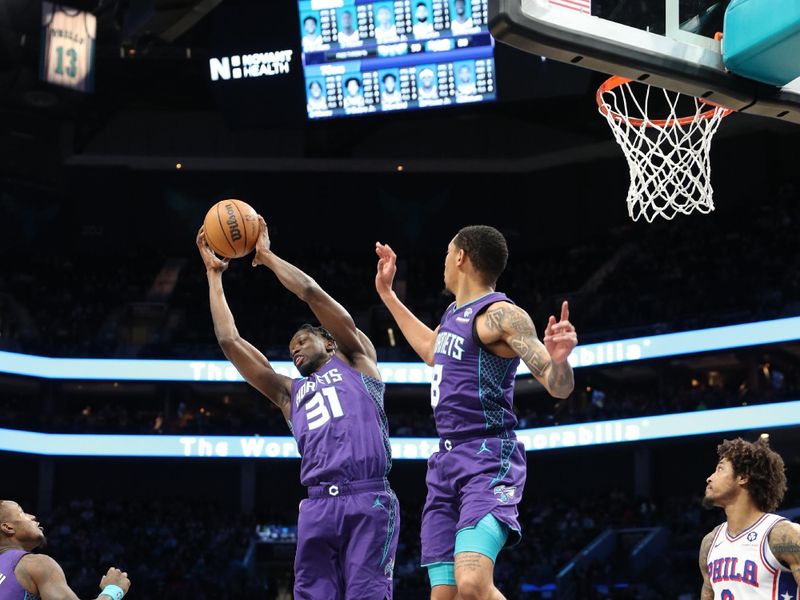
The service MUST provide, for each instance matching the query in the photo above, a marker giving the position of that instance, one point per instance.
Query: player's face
(450, 267)
(353, 88)
(427, 80)
(347, 21)
(464, 74)
(422, 13)
(311, 26)
(26, 528)
(383, 16)
(460, 8)
(316, 90)
(721, 485)
(309, 352)
(389, 84)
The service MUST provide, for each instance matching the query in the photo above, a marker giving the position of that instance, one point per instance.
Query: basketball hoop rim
(616, 81)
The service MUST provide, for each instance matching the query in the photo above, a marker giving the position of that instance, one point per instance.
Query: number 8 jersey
(338, 420)
(472, 392)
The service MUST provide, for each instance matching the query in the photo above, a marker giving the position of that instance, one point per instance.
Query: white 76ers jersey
(744, 568)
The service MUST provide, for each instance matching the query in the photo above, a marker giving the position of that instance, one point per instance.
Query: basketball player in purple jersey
(476, 479)
(754, 554)
(26, 576)
(348, 526)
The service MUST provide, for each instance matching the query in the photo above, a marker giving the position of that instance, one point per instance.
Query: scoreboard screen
(369, 56)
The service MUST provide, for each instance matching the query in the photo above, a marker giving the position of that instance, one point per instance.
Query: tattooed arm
(784, 541)
(707, 592)
(505, 327)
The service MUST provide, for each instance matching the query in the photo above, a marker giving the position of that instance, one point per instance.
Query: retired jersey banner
(68, 38)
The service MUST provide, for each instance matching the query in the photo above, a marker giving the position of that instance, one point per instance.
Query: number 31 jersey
(338, 420)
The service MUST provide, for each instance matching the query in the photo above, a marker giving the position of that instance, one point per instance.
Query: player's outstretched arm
(421, 337)
(548, 362)
(48, 578)
(331, 315)
(247, 359)
(706, 592)
(784, 541)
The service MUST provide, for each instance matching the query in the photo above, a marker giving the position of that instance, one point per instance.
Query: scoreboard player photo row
(363, 56)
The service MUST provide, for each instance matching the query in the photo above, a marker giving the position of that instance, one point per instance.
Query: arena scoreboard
(366, 56)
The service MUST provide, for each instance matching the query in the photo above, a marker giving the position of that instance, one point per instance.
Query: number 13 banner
(68, 48)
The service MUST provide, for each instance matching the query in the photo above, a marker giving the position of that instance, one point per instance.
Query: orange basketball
(231, 228)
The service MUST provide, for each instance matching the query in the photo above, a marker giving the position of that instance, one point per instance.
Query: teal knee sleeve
(441, 573)
(487, 537)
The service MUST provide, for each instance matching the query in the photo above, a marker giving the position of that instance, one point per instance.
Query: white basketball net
(668, 158)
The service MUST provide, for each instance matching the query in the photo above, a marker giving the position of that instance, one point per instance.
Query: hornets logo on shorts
(388, 570)
(503, 493)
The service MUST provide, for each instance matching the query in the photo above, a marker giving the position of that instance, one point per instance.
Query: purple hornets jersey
(10, 589)
(338, 421)
(472, 389)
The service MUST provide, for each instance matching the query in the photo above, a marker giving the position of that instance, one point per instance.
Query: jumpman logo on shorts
(379, 504)
(484, 448)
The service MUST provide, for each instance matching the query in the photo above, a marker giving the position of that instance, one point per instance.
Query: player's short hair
(309, 18)
(486, 249)
(763, 467)
(313, 83)
(347, 82)
(317, 330)
(392, 75)
(421, 4)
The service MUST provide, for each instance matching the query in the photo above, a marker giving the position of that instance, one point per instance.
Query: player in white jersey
(754, 554)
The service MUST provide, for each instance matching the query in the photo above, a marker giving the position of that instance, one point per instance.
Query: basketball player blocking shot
(476, 479)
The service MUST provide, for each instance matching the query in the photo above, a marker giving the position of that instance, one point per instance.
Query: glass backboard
(668, 43)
